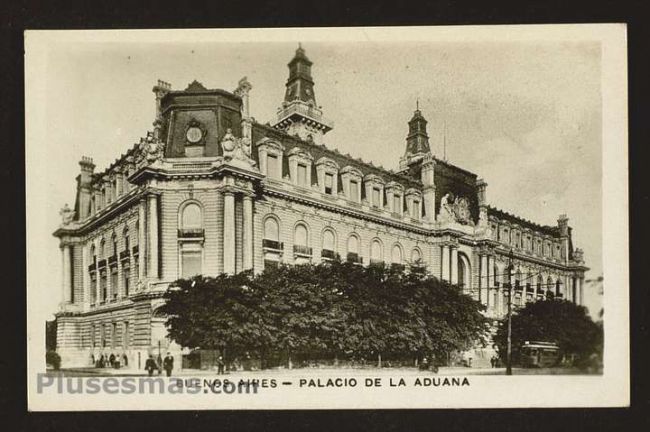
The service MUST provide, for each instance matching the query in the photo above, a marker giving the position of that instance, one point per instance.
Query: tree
(558, 321)
(331, 309)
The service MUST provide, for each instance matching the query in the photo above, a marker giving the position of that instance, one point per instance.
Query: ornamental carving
(67, 215)
(236, 149)
(455, 209)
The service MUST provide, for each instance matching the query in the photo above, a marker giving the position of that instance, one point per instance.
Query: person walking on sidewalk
(150, 365)
(168, 364)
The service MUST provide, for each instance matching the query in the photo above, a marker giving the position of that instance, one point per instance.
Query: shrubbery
(54, 359)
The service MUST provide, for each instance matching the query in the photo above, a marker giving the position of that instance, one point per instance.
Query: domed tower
(299, 115)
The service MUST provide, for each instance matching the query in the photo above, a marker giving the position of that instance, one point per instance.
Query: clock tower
(299, 115)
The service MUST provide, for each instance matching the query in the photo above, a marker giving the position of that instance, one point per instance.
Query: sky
(523, 115)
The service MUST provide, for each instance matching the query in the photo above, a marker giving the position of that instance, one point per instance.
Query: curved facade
(210, 190)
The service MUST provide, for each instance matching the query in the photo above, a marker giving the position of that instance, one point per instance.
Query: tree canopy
(329, 309)
(553, 320)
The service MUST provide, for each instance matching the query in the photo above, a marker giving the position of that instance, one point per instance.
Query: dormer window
(376, 197)
(397, 203)
(355, 191)
(302, 175)
(327, 172)
(415, 210)
(300, 167)
(273, 166)
(270, 155)
(351, 178)
(414, 203)
(329, 184)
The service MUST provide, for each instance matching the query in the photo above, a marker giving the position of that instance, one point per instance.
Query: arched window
(93, 253)
(114, 244)
(416, 256)
(300, 237)
(540, 282)
(329, 244)
(301, 241)
(191, 217)
(271, 229)
(549, 285)
(558, 288)
(271, 242)
(353, 244)
(102, 244)
(127, 242)
(376, 253)
(328, 240)
(353, 249)
(396, 254)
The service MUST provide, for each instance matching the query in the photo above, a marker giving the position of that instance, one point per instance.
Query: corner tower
(299, 115)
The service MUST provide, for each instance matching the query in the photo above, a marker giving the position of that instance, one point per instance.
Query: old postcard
(394, 217)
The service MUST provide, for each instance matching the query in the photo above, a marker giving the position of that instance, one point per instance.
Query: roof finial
(417, 103)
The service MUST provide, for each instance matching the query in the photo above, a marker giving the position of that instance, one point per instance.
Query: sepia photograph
(387, 217)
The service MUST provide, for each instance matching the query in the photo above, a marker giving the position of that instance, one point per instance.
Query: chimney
(160, 90)
(84, 189)
(481, 186)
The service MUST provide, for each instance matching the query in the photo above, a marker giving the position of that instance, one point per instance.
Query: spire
(417, 140)
(299, 115)
(300, 84)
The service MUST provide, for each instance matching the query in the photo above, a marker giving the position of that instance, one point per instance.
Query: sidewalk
(124, 372)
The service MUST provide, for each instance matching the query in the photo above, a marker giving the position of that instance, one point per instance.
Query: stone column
(248, 232)
(153, 235)
(444, 262)
(85, 278)
(489, 283)
(454, 265)
(142, 240)
(229, 232)
(98, 288)
(483, 282)
(66, 276)
(580, 291)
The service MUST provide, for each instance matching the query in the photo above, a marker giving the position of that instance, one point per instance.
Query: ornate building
(210, 190)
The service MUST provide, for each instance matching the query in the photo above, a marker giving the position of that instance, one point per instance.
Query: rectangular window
(126, 273)
(103, 335)
(329, 184)
(272, 166)
(302, 175)
(125, 335)
(376, 197)
(114, 285)
(354, 190)
(93, 341)
(190, 263)
(113, 335)
(103, 287)
(397, 204)
(93, 286)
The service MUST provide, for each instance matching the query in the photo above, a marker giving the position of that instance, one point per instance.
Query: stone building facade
(211, 190)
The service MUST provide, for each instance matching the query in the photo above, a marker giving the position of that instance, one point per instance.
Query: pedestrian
(111, 359)
(493, 361)
(100, 362)
(150, 365)
(168, 364)
(116, 362)
(220, 366)
(159, 363)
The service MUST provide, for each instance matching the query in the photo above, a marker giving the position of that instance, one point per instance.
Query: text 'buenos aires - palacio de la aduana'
(210, 190)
